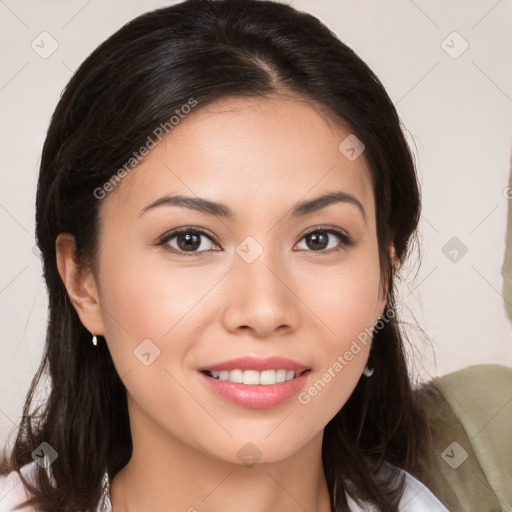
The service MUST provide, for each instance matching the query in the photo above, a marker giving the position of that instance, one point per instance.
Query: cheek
(346, 295)
(139, 293)
(147, 298)
(132, 302)
(145, 326)
(345, 299)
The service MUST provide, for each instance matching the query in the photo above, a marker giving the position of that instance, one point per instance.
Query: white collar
(415, 498)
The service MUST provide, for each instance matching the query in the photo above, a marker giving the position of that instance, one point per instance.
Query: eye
(187, 240)
(191, 240)
(320, 240)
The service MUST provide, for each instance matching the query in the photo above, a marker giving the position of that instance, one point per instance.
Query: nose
(260, 298)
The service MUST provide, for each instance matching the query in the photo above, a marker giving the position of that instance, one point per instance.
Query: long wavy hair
(131, 84)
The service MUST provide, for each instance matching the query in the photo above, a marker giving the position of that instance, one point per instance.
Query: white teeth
(280, 375)
(267, 377)
(236, 376)
(253, 377)
(250, 377)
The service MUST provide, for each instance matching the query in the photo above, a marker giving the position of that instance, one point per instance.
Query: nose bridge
(259, 296)
(258, 266)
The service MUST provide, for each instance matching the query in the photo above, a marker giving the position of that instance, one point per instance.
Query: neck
(164, 470)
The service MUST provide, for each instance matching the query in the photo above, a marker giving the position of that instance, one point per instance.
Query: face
(272, 279)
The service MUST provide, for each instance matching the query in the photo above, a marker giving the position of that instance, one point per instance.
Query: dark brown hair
(133, 82)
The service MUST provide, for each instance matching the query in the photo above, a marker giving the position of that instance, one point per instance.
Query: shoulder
(12, 490)
(415, 498)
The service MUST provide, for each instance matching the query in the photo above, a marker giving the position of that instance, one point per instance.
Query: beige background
(457, 112)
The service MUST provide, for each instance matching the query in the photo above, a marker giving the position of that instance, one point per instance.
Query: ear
(383, 292)
(80, 285)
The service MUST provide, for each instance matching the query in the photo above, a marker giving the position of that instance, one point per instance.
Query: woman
(225, 196)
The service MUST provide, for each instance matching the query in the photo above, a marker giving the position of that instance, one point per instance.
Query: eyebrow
(221, 210)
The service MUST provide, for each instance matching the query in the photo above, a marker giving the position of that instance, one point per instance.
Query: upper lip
(257, 363)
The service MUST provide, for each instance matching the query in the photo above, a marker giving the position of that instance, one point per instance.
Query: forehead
(250, 153)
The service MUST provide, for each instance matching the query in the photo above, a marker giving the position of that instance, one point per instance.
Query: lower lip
(256, 396)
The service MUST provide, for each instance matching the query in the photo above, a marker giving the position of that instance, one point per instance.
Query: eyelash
(346, 240)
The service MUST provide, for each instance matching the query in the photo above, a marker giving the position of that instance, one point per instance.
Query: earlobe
(80, 284)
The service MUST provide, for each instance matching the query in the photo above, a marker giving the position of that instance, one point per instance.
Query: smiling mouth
(254, 377)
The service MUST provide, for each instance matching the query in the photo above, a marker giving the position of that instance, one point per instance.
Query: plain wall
(457, 112)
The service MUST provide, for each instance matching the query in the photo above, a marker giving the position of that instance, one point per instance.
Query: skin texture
(259, 157)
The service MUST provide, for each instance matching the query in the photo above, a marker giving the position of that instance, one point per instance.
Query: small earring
(368, 372)
(94, 340)
(375, 324)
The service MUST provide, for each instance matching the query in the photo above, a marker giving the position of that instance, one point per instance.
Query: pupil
(190, 241)
(315, 237)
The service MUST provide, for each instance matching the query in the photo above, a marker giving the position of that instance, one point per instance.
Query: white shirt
(416, 497)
